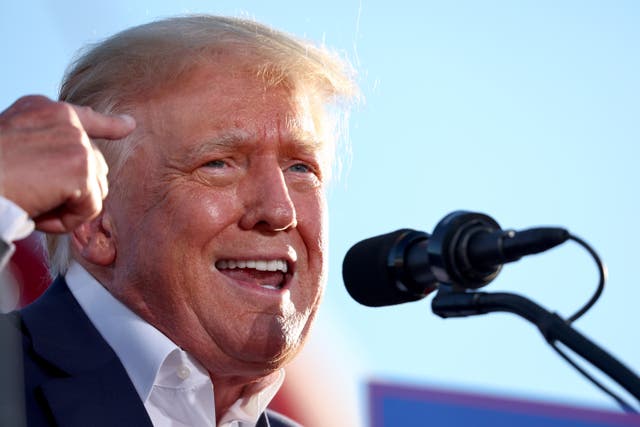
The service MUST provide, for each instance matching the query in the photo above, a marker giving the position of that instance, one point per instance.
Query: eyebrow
(235, 138)
(306, 142)
(224, 141)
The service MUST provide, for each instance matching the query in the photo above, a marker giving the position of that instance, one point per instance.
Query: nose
(268, 205)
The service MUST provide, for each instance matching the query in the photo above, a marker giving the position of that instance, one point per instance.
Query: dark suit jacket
(71, 375)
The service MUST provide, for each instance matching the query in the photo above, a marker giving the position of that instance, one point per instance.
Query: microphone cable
(602, 271)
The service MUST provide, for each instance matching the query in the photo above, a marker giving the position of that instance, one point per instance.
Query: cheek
(195, 213)
(151, 231)
(313, 229)
(313, 222)
(323, 225)
(216, 208)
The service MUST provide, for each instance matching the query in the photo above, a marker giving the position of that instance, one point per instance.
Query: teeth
(261, 265)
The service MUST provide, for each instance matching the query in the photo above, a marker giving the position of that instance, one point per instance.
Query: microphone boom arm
(448, 303)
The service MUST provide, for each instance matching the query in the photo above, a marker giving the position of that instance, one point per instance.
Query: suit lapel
(93, 387)
(263, 421)
(96, 398)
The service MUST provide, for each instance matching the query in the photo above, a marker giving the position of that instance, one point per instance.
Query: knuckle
(37, 111)
(74, 139)
(101, 161)
(54, 113)
(79, 158)
(64, 112)
(28, 111)
(32, 101)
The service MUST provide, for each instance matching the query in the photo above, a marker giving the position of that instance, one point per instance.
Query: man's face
(219, 220)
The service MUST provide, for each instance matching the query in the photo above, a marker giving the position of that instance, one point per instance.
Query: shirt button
(183, 372)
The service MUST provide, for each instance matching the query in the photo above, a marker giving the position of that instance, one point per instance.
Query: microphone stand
(450, 303)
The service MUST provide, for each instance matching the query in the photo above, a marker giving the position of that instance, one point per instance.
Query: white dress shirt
(14, 223)
(176, 390)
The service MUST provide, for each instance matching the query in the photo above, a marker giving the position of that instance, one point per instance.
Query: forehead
(230, 99)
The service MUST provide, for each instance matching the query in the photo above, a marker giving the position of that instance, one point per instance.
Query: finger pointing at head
(107, 126)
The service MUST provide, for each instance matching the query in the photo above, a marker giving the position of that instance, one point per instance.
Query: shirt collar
(141, 348)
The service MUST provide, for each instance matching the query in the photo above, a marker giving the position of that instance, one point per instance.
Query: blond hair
(127, 67)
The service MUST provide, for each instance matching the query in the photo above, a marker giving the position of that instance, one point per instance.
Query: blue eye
(216, 164)
(300, 168)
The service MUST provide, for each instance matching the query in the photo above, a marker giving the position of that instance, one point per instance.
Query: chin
(271, 347)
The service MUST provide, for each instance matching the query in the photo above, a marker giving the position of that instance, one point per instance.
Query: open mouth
(268, 274)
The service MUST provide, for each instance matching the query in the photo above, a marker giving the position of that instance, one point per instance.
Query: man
(180, 301)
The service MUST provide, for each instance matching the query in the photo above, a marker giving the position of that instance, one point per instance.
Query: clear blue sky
(526, 110)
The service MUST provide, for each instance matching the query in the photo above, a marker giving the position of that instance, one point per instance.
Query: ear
(94, 240)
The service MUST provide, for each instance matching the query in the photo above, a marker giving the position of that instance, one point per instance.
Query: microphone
(466, 250)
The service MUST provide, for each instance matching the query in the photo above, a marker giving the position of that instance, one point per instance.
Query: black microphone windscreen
(368, 272)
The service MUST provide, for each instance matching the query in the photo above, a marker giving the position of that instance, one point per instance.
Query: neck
(228, 390)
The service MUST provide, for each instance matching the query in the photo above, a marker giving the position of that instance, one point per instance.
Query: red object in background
(28, 267)
(284, 404)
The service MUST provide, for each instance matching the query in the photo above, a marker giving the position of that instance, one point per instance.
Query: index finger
(107, 126)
